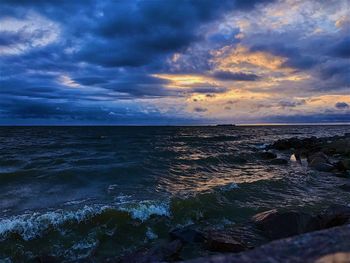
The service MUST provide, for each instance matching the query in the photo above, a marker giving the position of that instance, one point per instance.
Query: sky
(174, 62)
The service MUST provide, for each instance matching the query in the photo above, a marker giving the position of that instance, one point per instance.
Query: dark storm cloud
(239, 76)
(203, 89)
(91, 80)
(139, 85)
(323, 56)
(109, 50)
(139, 33)
(294, 55)
(291, 104)
(341, 48)
(200, 109)
(342, 105)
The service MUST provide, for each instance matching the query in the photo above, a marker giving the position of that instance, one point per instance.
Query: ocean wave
(145, 209)
(31, 225)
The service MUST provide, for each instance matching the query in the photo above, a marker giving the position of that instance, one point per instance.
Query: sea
(99, 192)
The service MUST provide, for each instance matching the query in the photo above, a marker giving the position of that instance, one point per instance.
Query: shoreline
(321, 237)
(329, 156)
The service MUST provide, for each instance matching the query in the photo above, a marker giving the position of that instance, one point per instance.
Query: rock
(338, 257)
(346, 164)
(335, 216)
(339, 146)
(221, 241)
(275, 224)
(187, 235)
(164, 252)
(46, 259)
(306, 248)
(267, 155)
(320, 162)
(279, 161)
(295, 143)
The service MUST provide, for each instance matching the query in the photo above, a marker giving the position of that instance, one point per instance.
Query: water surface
(68, 191)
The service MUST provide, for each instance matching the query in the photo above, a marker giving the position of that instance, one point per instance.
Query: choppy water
(78, 191)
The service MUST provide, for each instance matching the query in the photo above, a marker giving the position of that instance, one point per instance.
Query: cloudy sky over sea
(174, 62)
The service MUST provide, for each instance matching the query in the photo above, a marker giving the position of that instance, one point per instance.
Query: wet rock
(345, 164)
(338, 146)
(221, 241)
(295, 143)
(164, 252)
(320, 162)
(46, 259)
(279, 161)
(267, 155)
(335, 216)
(275, 224)
(320, 246)
(187, 235)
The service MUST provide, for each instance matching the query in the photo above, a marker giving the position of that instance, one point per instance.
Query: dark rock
(338, 146)
(295, 143)
(267, 155)
(345, 164)
(323, 246)
(187, 235)
(164, 252)
(46, 259)
(279, 161)
(275, 224)
(320, 162)
(335, 216)
(221, 241)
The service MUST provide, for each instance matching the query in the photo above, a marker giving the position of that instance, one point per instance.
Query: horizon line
(183, 125)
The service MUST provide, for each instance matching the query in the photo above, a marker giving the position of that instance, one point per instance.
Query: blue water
(68, 191)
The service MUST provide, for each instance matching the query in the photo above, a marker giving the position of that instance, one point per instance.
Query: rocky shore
(273, 235)
(279, 236)
(325, 246)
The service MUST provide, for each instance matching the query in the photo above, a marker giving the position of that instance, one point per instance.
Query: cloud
(342, 105)
(291, 104)
(341, 48)
(235, 76)
(200, 109)
(129, 61)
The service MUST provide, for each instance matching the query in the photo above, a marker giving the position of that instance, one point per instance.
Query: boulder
(295, 143)
(329, 245)
(187, 235)
(338, 146)
(223, 241)
(345, 164)
(335, 216)
(320, 162)
(276, 225)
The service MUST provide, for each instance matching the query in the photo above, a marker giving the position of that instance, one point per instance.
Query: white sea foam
(150, 234)
(31, 225)
(144, 209)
